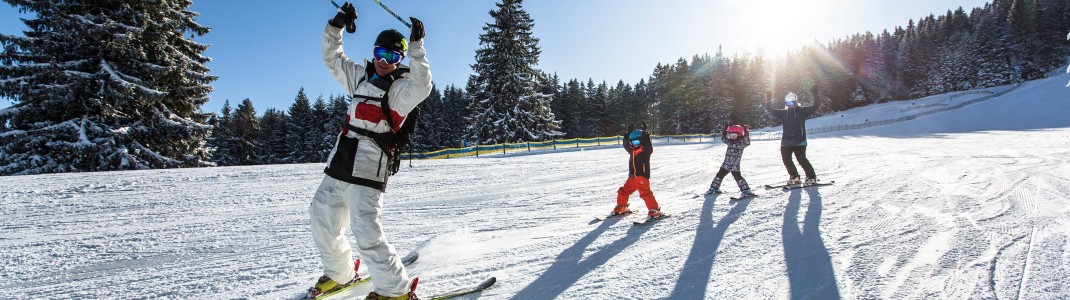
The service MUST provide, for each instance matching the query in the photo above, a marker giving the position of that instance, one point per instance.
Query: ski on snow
(464, 291)
(407, 260)
(607, 216)
(798, 186)
(735, 198)
(648, 220)
(742, 197)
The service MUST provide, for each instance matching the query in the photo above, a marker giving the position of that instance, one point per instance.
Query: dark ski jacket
(794, 120)
(639, 156)
(734, 154)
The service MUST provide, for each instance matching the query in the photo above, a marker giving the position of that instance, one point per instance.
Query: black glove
(417, 30)
(347, 16)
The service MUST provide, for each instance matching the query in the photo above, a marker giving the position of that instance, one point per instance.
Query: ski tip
(408, 259)
(489, 282)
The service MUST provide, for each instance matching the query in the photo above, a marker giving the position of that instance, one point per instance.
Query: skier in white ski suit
(352, 192)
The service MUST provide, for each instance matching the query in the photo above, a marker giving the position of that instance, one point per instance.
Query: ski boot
(713, 191)
(654, 214)
(411, 295)
(619, 210)
(810, 181)
(794, 180)
(325, 285)
(746, 194)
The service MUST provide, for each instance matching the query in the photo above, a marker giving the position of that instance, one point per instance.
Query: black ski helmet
(393, 40)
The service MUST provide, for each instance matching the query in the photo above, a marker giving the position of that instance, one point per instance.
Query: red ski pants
(641, 184)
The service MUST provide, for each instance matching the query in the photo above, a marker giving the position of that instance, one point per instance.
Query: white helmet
(791, 97)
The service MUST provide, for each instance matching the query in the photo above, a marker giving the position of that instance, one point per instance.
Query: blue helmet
(635, 135)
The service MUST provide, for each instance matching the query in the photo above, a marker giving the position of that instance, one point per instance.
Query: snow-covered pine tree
(722, 99)
(1021, 20)
(335, 121)
(273, 139)
(300, 132)
(221, 137)
(245, 139)
(697, 95)
(430, 125)
(321, 124)
(910, 69)
(621, 99)
(597, 95)
(1052, 23)
(642, 109)
(456, 111)
(573, 101)
(672, 93)
(507, 103)
(104, 85)
(753, 79)
(992, 47)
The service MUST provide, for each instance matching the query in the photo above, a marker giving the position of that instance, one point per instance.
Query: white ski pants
(336, 204)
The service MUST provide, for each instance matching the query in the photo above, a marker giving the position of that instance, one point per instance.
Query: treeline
(303, 134)
(1001, 43)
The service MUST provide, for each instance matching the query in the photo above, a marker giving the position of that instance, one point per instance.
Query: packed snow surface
(969, 203)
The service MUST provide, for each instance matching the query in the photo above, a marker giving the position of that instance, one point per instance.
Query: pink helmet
(736, 129)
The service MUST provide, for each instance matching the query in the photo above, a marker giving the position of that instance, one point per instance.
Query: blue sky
(267, 50)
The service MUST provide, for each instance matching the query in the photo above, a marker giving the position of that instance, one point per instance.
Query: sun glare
(778, 26)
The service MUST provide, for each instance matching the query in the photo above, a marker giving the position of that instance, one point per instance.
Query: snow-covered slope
(969, 203)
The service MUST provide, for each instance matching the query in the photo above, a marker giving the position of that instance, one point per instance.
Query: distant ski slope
(970, 203)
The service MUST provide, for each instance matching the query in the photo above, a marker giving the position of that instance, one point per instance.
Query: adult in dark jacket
(793, 139)
(637, 143)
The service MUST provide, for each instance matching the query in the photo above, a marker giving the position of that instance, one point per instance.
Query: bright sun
(779, 26)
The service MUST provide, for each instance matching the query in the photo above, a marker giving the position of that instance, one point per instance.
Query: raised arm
(347, 72)
(777, 113)
(817, 102)
(406, 94)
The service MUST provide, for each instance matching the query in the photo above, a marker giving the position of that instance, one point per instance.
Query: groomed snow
(965, 204)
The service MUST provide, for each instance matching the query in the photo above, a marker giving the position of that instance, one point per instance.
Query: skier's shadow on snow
(699, 265)
(808, 262)
(569, 266)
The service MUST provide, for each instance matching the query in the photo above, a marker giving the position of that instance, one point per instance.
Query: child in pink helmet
(737, 138)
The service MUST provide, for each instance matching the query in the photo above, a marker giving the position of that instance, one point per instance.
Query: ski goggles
(789, 104)
(635, 142)
(733, 135)
(387, 55)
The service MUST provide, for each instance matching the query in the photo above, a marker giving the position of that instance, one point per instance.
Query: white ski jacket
(356, 158)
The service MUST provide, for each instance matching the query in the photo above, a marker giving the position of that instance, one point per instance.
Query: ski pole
(389, 11)
(335, 4)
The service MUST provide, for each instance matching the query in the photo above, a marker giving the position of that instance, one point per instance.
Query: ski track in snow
(937, 207)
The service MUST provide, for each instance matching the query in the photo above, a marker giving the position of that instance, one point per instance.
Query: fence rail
(507, 148)
(549, 145)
